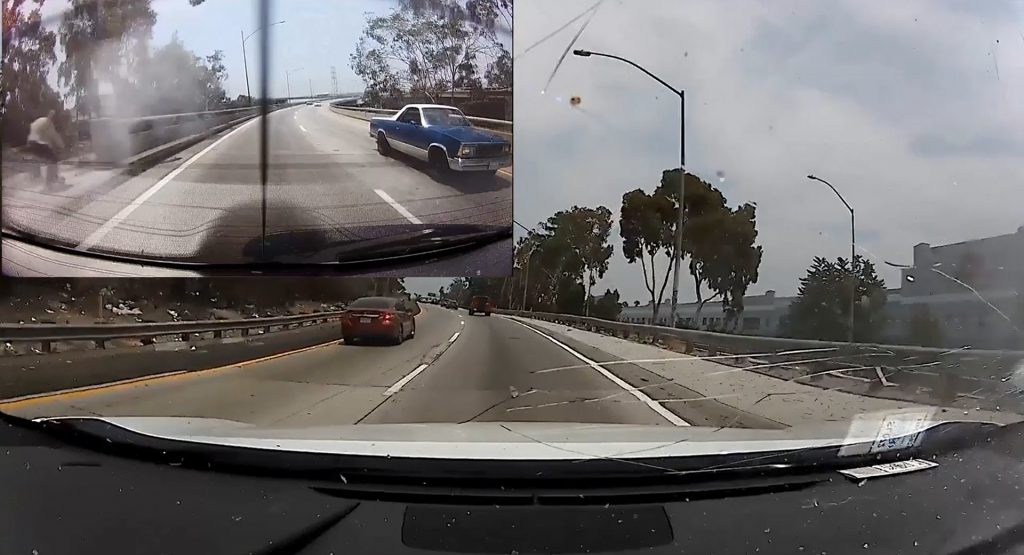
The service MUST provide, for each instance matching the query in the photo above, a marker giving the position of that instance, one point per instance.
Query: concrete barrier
(117, 139)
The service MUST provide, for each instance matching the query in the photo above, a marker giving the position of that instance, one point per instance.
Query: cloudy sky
(914, 110)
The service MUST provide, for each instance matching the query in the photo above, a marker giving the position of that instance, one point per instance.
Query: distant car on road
(481, 304)
(379, 318)
(443, 137)
(316, 104)
(450, 303)
(308, 103)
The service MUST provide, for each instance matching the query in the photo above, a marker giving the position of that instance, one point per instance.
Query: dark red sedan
(386, 318)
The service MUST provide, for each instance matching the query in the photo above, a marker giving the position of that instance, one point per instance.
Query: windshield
(445, 117)
(180, 144)
(807, 227)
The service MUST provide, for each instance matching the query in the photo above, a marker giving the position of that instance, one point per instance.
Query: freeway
(458, 368)
(325, 182)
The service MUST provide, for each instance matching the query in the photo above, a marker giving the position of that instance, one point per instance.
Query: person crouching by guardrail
(44, 142)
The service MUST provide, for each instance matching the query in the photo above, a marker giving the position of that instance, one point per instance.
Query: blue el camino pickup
(443, 137)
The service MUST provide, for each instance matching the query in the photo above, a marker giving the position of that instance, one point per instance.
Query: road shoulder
(782, 401)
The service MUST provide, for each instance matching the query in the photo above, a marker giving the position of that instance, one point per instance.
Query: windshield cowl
(495, 440)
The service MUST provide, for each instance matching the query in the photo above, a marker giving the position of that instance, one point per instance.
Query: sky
(914, 110)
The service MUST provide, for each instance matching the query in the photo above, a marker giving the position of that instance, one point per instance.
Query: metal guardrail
(942, 367)
(45, 334)
(500, 126)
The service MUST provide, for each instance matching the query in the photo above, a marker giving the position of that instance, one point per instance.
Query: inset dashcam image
(205, 138)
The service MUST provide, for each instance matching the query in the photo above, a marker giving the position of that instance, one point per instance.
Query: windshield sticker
(881, 432)
(888, 469)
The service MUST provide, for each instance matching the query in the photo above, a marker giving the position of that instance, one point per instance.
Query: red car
(481, 304)
(378, 318)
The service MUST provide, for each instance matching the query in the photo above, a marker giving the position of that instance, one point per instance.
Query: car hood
(522, 440)
(469, 134)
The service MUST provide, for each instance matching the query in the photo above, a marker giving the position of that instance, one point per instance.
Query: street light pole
(288, 82)
(680, 212)
(853, 254)
(245, 60)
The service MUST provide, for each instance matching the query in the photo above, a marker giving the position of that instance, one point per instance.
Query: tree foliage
(427, 47)
(607, 306)
(499, 72)
(175, 80)
(647, 224)
(719, 241)
(27, 56)
(103, 41)
(822, 307)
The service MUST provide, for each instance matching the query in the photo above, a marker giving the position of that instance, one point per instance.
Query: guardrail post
(218, 334)
(45, 347)
(186, 337)
(100, 343)
(266, 329)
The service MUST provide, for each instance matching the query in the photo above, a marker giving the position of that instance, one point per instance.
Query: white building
(761, 314)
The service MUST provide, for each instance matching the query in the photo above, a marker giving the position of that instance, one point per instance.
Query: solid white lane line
(303, 128)
(454, 337)
(99, 234)
(640, 395)
(398, 207)
(408, 378)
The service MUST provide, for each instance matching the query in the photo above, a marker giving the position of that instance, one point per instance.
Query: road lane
(491, 374)
(334, 384)
(325, 181)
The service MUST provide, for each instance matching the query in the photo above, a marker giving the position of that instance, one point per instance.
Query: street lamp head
(811, 176)
(583, 53)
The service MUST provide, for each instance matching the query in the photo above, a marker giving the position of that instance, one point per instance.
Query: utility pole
(311, 87)
(334, 81)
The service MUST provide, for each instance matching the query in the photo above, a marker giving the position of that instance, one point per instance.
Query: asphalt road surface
(458, 368)
(325, 182)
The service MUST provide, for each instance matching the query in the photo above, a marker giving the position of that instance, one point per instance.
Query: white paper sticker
(901, 432)
(885, 431)
(888, 469)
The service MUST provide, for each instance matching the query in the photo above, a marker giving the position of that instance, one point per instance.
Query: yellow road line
(67, 394)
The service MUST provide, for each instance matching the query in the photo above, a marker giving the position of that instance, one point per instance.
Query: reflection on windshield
(803, 252)
(160, 140)
(434, 116)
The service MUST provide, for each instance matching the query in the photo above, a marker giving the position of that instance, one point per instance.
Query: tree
(606, 306)
(499, 72)
(175, 80)
(594, 228)
(421, 45)
(27, 56)
(923, 329)
(646, 225)
(103, 42)
(821, 309)
(467, 77)
(718, 240)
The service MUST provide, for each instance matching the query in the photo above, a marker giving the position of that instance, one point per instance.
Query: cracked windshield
(200, 133)
(769, 250)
